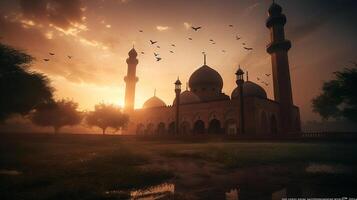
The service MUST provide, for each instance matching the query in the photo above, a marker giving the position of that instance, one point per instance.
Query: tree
(339, 96)
(21, 90)
(107, 116)
(57, 114)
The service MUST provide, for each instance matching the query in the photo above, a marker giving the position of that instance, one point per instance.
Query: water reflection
(233, 194)
(278, 195)
(10, 172)
(161, 191)
(327, 168)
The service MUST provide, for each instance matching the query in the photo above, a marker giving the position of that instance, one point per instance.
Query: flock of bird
(195, 29)
(52, 54)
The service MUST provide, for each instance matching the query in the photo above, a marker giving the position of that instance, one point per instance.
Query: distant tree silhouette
(107, 116)
(57, 114)
(21, 90)
(339, 96)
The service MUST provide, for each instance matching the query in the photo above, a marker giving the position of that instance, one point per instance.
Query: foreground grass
(67, 168)
(85, 167)
(239, 155)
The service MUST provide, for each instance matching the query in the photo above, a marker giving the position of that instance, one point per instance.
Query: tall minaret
(130, 80)
(278, 49)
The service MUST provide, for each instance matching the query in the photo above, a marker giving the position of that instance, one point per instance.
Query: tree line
(29, 93)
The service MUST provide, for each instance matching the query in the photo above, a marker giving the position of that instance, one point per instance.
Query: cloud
(327, 12)
(162, 28)
(61, 13)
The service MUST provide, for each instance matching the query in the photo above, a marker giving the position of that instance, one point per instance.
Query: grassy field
(109, 167)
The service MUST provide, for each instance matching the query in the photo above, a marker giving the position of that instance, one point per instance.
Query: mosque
(204, 109)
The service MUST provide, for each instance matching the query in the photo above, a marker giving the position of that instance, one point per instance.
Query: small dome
(275, 9)
(206, 77)
(187, 97)
(132, 53)
(250, 89)
(154, 102)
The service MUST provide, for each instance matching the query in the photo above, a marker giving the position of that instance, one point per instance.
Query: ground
(39, 166)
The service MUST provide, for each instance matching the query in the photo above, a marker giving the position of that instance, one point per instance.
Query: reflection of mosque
(203, 108)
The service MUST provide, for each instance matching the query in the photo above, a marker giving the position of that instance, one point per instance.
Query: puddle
(233, 194)
(327, 168)
(10, 172)
(151, 193)
(278, 195)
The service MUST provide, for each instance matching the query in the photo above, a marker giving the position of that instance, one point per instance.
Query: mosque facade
(204, 109)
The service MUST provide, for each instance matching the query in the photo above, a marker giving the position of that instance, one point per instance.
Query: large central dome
(206, 78)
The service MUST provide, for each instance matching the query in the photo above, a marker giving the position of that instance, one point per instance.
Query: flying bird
(238, 38)
(69, 57)
(258, 78)
(141, 31)
(248, 49)
(196, 28)
(267, 75)
(158, 46)
(158, 58)
(153, 42)
(190, 38)
(46, 59)
(173, 45)
(230, 25)
(213, 43)
(142, 52)
(156, 54)
(52, 54)
(224, 51)
(171, 52)
(211, 40)
(244, 43)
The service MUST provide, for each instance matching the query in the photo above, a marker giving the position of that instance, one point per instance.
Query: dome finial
(204, 58)
(247, 76)
(186, 86)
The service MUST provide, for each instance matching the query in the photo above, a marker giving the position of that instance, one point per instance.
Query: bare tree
(57, 114)
(107, 116)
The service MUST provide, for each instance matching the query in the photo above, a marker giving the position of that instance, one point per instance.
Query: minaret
(278, 49)
(130, 80)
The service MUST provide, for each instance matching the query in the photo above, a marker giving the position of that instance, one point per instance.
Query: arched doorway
(140, 129)
(150, 129)
(273, 125)
(199, 127)
(214, 126)
(171, 129)
(231, 127)
(161, 128)
(185, 128)
(263, 124)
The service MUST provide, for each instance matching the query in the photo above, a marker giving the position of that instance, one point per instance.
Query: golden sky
(98, 34)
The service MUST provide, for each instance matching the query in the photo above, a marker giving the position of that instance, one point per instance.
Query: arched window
(140, 129)
(161, 128)
(171, 129)
(231, 127)
(199, 127)
(214, 126)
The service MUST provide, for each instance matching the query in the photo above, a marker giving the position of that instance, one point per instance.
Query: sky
(97, 35)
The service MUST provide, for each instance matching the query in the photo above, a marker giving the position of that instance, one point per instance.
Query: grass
(85, 167)
(239, 155)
